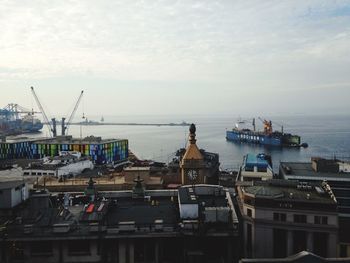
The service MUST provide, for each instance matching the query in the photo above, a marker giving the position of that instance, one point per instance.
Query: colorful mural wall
(110, 151)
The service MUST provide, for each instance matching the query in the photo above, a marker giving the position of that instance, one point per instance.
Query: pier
(129, 124)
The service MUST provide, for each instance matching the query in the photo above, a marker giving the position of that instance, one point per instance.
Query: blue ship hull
(253, 137)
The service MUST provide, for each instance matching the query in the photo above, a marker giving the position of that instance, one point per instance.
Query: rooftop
(143, 212)
(71, 140)
(258, 160)
(111, 213)
(11, 184)
(301, 257)
(303, 170)
(291, 191)
(19, 139)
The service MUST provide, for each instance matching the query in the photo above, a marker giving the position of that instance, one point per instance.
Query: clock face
(192, 174)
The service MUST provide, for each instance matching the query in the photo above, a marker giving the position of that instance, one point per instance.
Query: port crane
(52, 128)
(12, 111)
(65, 125)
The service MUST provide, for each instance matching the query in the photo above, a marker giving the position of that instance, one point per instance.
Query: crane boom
(42, 111)
(66, 127)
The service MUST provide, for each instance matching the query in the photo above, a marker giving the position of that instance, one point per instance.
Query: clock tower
(192, 163)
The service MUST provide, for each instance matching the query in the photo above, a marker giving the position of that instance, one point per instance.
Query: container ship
(15, 119)
(267, 137)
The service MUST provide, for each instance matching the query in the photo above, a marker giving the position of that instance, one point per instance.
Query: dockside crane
(52, 129)
(65, 125)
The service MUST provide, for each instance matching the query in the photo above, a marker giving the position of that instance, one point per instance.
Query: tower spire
(192, 136)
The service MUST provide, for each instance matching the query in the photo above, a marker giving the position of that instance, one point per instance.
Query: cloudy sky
(177, 57)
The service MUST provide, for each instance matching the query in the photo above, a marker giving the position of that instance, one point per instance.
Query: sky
(177, 57)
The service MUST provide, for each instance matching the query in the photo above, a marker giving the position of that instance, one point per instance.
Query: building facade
(282, 218)
(336, 174)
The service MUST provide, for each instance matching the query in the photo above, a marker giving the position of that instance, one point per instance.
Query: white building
(12, 193)
(67, 164)
(255, 168)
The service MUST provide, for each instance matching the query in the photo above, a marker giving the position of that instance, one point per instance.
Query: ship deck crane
(267, 126)
(243, 121)
(65, 125)
(52, 129)
(280, 125)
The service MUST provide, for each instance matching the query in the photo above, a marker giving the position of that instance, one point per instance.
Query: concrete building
(12, 193)
(281, 218)
(124, 227)
(333, 172)
(255, 168)
(65, 165)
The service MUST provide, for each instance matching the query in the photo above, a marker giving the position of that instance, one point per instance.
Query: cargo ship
(267, 137)
(15, 120)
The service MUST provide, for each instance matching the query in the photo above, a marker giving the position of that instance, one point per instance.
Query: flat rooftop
(142, 212)
(19, 139)
(71, 140)
(303, 170)
(339, 182)
(258, 160)
(288, 191)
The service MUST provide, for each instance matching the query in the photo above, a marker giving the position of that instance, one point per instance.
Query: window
(26, 173)
(262, 169)
(299, 218)
(280, 243)
(249, 169)
(249, 212)
(39, 248)
(321, 220)
(343, 251)
(249, 240)
(279, 217)
(79, 247)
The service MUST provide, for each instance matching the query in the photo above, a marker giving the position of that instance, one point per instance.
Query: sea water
(327, 136)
